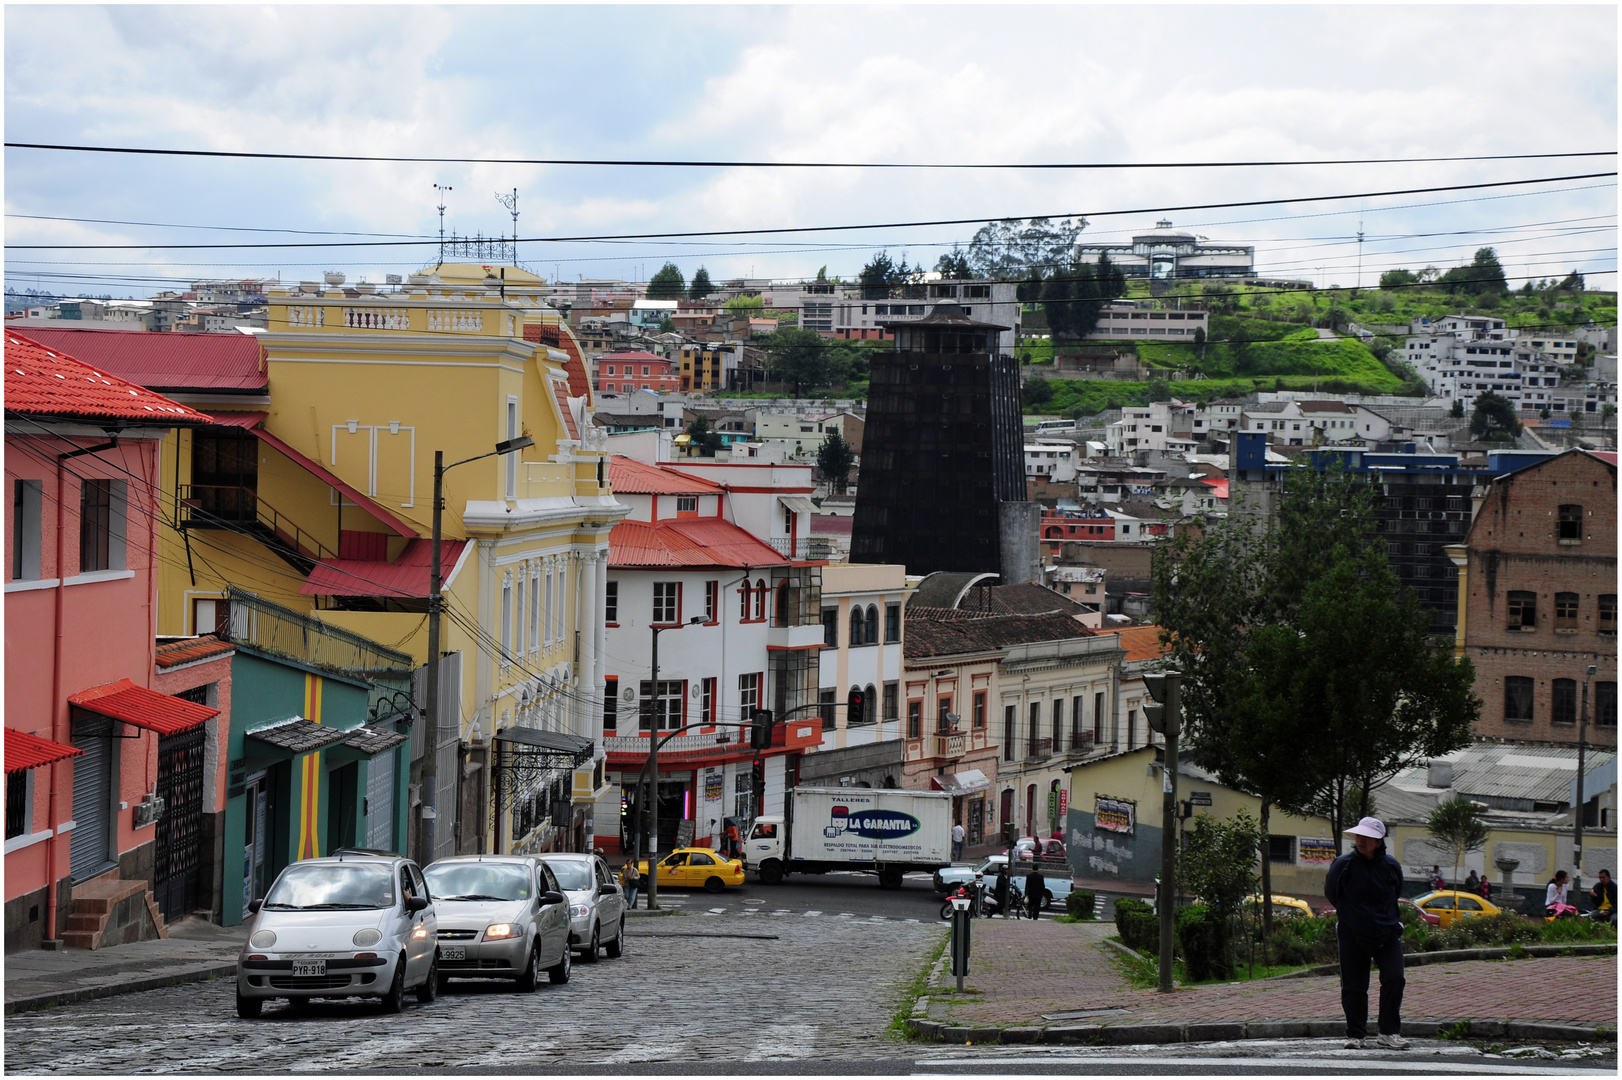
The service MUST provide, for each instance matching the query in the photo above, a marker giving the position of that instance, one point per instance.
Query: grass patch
(1456, 1032)
(914, 989)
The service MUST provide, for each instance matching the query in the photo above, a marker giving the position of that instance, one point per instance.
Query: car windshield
(477, 881)
(332, 886)
(572, 876)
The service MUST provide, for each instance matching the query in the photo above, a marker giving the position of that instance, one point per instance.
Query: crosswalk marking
(810, 913)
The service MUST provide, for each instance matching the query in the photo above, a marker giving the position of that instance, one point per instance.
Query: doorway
(178, 855)
(90, 843)
(976, 826)
(1006, 822)
(343, 797)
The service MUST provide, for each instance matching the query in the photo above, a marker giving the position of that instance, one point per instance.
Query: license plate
(309, 967)
(453, 952)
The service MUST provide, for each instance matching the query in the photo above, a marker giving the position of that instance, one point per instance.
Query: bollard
(960, 938)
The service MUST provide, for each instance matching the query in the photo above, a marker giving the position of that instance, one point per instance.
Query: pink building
(105, 775)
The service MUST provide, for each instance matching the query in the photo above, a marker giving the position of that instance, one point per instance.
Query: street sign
(1200, 798)
(1064, 803)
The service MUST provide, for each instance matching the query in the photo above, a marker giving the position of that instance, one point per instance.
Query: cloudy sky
(908, 84)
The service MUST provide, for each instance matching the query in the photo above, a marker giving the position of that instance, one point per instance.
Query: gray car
(500, 917)
(351, 925)
(596, 905)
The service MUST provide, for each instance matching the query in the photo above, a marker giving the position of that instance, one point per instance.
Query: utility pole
(1167, 718)
(653, 765)
(1577, 803)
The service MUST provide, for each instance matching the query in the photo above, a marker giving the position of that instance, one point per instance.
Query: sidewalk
(194, 950)
(1037, 978)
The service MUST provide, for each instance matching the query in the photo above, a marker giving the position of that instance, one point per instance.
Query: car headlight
(500, 930)
(580, 911)
(263, 939)
(365, 939)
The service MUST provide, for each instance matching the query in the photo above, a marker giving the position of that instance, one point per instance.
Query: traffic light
(856, 706)
(1164, 687)
(760, 735)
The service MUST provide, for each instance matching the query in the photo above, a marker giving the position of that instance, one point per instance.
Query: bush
(1451, 938)
(1303, 941)
(1564, 930)
(1080, 904)
(1504, 928)
(1202, 939)
(1139, 927)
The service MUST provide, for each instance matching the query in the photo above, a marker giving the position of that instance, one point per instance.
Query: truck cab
(765, 846)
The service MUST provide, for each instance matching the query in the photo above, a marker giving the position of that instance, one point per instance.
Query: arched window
(855, 626)
(872, 707)
(872, 635)
(760, 599)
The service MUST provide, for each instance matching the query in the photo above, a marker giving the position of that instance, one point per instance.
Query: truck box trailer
(885, 831)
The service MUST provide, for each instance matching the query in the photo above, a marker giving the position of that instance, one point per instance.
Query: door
(90, 843)
(553, 919)
(1007, 810)
(672, 811)
(611, 906)
(422, 939)
(379, 805)
(255, 801)
(178, 854)
(700, 868)
(342, 798)
(977, 821)
(1030, 809)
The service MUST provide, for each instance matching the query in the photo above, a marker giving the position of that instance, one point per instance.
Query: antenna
(442, 188)
(511, 203)
(1360, 253)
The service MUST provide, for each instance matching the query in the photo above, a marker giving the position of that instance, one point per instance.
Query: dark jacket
(1603, 891)
(1365, 892)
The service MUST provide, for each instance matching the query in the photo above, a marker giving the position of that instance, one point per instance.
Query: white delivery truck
(885, 831)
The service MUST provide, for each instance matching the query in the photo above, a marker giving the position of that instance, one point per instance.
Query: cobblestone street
(824, 987)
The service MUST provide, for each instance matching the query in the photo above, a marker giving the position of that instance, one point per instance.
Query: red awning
(25, 751)
(236, 419)
(137, 705)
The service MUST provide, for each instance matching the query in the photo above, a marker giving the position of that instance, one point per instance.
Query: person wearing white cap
(1364, 885)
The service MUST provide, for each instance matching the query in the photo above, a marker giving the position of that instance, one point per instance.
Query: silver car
(352, 925)
(500, 917)
(596, 905)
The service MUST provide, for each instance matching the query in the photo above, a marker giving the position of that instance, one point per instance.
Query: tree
(1159, 389)
(745, 305)
(953, 265)
(1396, 279)
(1074, 298)
(1014, 250)
(1036, 392)
(799, 357)
(1484, 276)
(1573, 282)
(705, 437)
(1457, 410)
(667, 325)
(1494, 415)
(881, 274)
(822, 273)
(701, 286)
(1219, 865)
(1459, 825)
(834, 459)
(667, 284)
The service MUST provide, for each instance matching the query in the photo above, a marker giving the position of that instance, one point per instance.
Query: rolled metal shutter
(380, 801)
(92, 802)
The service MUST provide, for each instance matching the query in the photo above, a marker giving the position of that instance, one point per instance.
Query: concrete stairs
(109, 911)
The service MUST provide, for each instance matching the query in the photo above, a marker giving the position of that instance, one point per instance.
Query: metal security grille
(179, 854)
(380, 802)
(92, 805)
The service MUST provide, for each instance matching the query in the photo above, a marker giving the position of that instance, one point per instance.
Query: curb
(1233, 1030)
(129, 986)
(1452, 956)
(656, 913)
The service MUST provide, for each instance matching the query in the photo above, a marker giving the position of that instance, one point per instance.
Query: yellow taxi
(1450, 904)
(1286, 907)
(695, 868)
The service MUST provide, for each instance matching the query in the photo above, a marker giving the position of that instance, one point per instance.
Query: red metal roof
(190, 650)
(137, 705)
(635, 478)
(237, 419)
(560, 338)
(688, 542)
(403, 528)
(174, 361)
(25, 751)
(636, 356)
(562, 394)
(1220, 483)
(43, 381)
(405, 577)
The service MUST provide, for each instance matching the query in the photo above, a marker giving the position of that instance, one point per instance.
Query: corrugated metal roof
(25, 751)
(43, 381)
(123, 700)
(689, 542)
(166, 361)
(406, 577)
(237, 419)
(635, 478)
(1534, 773)
(189, 650)
(1140, 642)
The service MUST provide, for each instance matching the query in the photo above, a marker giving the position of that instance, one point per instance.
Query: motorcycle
(983, 904)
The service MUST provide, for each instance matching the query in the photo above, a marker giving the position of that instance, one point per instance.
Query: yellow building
(316, 493)
(703, 367)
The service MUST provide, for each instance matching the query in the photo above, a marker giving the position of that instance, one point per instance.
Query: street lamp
(1577, 806)
(430, 757)
(653, 765)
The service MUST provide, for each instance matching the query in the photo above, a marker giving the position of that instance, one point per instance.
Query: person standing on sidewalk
(1364, 885)
(630, 881)
(957, 841)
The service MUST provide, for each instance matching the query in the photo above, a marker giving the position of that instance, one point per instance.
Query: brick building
(1537, 600)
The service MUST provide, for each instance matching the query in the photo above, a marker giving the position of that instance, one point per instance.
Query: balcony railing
(948, 746)
(1038, 748)
(681, 744)
(1081, 742)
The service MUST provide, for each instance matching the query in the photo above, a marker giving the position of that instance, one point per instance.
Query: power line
(678, 164)
(834, 228)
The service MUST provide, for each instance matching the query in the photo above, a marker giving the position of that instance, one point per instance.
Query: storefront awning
(549, 743)
(144, 708)
(798, 504)
(25, 751)
(373, 740)
(291, 738)
(963, 783)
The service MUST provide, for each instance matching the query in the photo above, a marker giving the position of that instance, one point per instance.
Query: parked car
(1039, 849)
(500, 917)
(1429, 916)
(1450, 904)
(948, 878)
(695, 868)
(1284, 907)
(596, 906)
(350, 925)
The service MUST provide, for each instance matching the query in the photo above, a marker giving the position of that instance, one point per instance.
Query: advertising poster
(1313, 850)
(1114, 815)
(712, 785)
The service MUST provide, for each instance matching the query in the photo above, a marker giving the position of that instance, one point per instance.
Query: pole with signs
(1166, 718)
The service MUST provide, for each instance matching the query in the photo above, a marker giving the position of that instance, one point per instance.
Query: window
(706, 701)
(743, 602)
(749, 692)
(1075, 720)
(611, 602)
(1605, 704)
(892, 622)
(979, 720)
(1281, 849)
(1058, 723)
(506, 622)
(101, 526)
(686, 504)
(1563, 701)
(1571, 523)
(1607, 613)
(666, 705)
(1098, 718)
(828, 698)
(534, 611)
(856, 624)
(1518, 698)
(870, 704)
(712, 601)
(1008, 721)
(892, 701)
(1565, 613)
(611, 704)
(760, 600)
(512, 459)
(25, 525)
(17, 802)
(830, 627)
(1523, 610)
(666, 602)
(561, 611)
(644, 369)
(943, 710)
(872, 635)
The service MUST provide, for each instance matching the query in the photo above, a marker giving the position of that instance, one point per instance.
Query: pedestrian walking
(630, 881)
(1034, 888)
(957, 841)
(1364, 885)
(1000, 890)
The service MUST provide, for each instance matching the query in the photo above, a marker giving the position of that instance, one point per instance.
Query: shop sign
(712, 785)
(1309, 850)
(1114, 815)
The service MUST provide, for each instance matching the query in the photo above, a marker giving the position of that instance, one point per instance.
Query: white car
(596, 905)
(500, 917)
(351, 925)
(1056, 879)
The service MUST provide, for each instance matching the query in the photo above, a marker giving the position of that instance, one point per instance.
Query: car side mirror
(255, 905)
(415, 904)
(550, 897)
(610, 890)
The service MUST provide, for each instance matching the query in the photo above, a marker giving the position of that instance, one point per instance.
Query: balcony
(948, 746)
(802, 548)
(1081, 744)
(1037, 749)
(681, 744)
